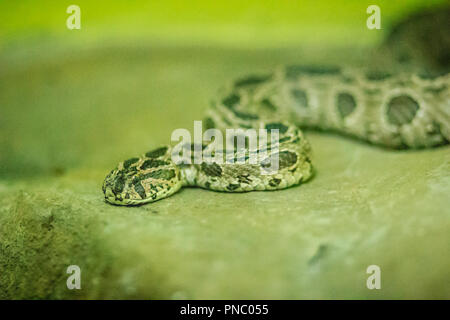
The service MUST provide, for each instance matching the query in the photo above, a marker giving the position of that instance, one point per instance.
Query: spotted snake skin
(396, 111)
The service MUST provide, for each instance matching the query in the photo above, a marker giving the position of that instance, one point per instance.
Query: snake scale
(395, 109)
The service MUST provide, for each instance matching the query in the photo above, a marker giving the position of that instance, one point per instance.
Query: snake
(397, 111)
(394, 109)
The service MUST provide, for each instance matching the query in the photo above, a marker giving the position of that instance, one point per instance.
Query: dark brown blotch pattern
(156, 153)
(211, 169)
(402, 110)
(346, 104)
(300, 97)
(152, 163)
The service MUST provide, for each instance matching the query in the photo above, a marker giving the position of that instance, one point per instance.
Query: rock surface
(66, 121)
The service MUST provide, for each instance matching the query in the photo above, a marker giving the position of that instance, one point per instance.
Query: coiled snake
(394, 110)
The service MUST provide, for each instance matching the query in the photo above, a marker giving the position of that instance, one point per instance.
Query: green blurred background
(75, 102)
(233, 22)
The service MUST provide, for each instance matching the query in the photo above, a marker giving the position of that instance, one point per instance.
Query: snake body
(398, 111)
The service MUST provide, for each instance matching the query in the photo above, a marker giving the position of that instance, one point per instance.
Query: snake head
(144, 179)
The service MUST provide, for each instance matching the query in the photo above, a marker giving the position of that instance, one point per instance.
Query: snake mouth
(124, 197)
(112, 197)
(116, 189)
(113, 189)
(121, 199)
